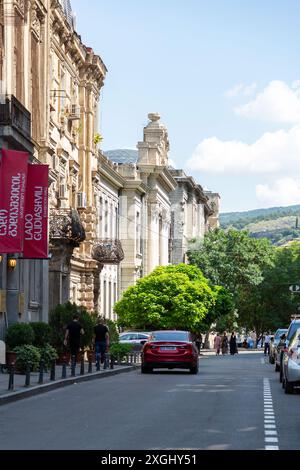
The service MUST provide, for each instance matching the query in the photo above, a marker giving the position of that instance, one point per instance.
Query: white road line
(269, 419)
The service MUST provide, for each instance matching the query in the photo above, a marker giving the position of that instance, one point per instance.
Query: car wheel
(277, 367)
(194, 370)
(146, 369)
(289, 387)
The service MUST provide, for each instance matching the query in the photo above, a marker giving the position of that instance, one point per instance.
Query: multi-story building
(161, 209)
(190, 215)
(24, 33)
(50, 90)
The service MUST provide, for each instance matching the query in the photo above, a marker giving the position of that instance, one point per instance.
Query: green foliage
(48, 355)
(62, 315)
(279, 225)
(232, 258)
(120, 350)
(113, 331)
(27, 354)
(42, 334)
(19, 334)
(270, 305)
(171, 297)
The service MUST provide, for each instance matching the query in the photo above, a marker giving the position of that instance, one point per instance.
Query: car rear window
(293, 327)
(170, 336)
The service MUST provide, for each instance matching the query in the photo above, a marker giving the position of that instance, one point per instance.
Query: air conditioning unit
(62, 191)
(81, 200)
(74, 114)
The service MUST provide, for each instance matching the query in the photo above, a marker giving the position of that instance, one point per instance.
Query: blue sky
(223, 74)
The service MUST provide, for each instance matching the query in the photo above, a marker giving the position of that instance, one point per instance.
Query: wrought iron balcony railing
(108, 251)
(14, 114)
(65, 224)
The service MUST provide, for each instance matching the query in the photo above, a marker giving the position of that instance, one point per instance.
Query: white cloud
(285, 191)
(276, 103)
(241, 89)
(274, 152)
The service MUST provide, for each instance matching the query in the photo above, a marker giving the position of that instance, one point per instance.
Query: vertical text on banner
(13, 177)
(36, 213)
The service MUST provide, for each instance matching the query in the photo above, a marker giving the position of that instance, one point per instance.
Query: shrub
(120, 350)
(27, 354)
(48, 355)
(62, 315)
(19, 334)
(42, 334)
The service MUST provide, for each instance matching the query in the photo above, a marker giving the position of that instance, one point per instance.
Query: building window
(138, 233)
(104, 299)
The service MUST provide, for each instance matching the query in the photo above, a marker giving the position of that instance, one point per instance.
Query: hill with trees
(280, 225)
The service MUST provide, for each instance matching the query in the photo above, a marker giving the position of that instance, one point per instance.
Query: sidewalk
(21, 391)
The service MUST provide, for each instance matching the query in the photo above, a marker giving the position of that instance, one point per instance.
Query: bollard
(64, 369)
(98, 364)
(82, 365)
(52, 373)
(73, 366)
(11, 380)
(41, 374)
(27, 376)
(112, 360)
(90, 369)
(106, 361)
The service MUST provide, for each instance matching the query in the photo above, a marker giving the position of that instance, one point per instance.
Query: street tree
(171, 297)
(231, 258)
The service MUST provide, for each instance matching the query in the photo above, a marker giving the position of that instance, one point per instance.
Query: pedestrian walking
(232, 344)
(74, 331)
(101, 339)
(224, 343)
(199, 342)
(267, 344)
(217, 344)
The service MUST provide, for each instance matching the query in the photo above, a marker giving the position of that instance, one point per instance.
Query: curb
(30, 392)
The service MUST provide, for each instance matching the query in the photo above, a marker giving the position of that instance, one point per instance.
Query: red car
(170, 350)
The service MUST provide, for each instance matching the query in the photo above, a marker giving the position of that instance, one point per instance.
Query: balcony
(16, 116)
(108, 251)
(66, 226)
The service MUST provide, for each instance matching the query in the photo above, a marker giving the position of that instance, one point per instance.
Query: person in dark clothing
(73, 333)
(101, 339)
(199, 342)
(232, 344)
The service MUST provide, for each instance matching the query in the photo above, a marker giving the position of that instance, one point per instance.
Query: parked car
(294, 325)
(137, 339)
(170, 350)
(291, 364)
(274, 344)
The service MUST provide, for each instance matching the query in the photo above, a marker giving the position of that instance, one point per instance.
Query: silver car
(137, 339)
(291, 364)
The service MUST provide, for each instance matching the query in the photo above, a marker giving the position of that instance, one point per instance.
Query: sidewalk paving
(21, 391)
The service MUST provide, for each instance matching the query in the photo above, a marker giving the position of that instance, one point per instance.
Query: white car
(135, 338)
(291, 364)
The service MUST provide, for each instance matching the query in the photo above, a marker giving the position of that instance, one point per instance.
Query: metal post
(82, 365)
(27, 376)
(73, 366)
(64, 369)
(11, 377)
(112, 360)
(106, 361)
(52, 373)
(90, 369)
(41, 374)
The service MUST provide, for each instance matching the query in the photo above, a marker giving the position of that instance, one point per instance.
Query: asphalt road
(233, 403)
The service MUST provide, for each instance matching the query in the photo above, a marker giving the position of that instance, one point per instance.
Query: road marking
(269, 418)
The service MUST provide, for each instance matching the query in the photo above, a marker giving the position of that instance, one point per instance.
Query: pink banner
(36, 213)
(13, 176)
